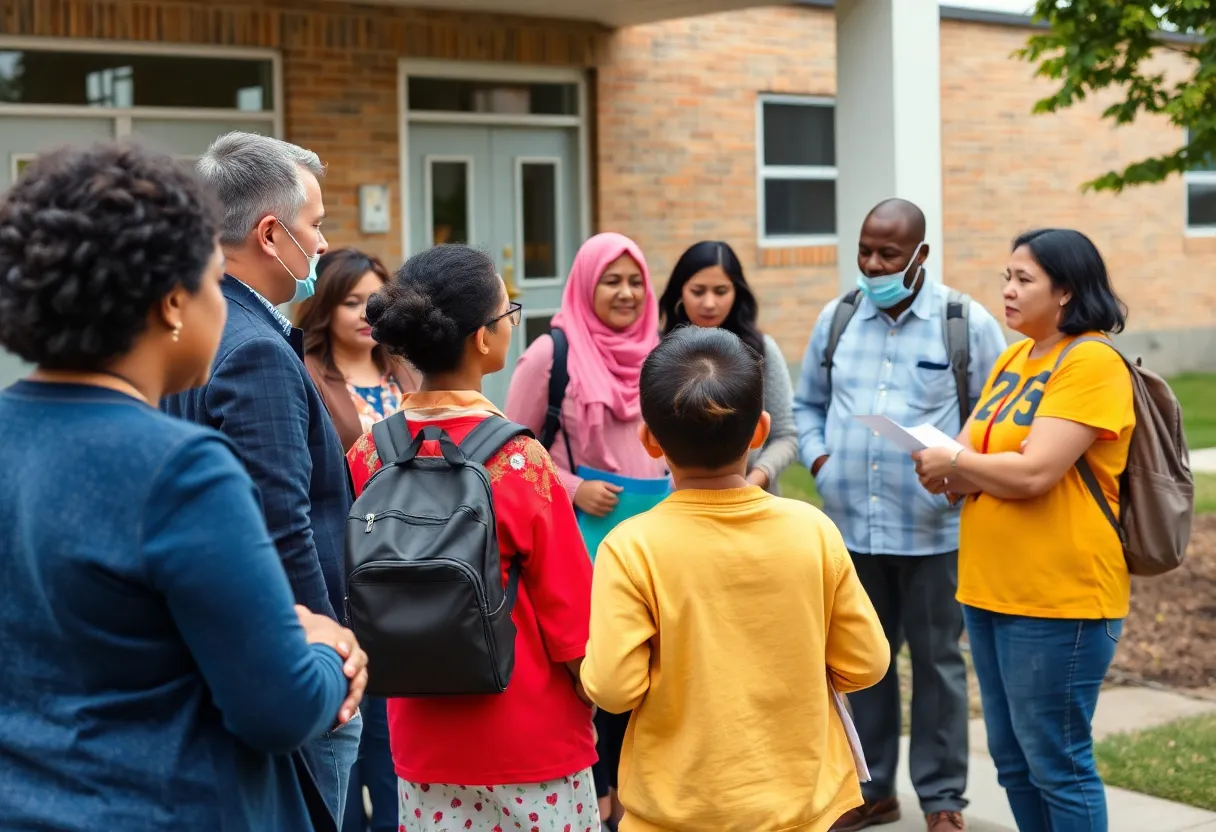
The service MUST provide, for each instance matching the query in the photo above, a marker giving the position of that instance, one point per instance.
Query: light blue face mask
(890, 290)
(305, 287)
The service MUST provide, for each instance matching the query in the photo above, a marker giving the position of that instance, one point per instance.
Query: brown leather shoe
(945, 822)
(873, 813)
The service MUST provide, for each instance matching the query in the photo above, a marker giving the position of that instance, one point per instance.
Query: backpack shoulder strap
(483, 442)
(488, 437)
(1082, 340)
(559, 378)
(956, 332)
(844, 312)
(392, 438)
(1083, 468)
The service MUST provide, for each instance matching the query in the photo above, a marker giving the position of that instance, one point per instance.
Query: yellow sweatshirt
(718, 618)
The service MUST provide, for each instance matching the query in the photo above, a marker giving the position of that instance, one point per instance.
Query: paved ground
(1119, 710)
(1203, 461)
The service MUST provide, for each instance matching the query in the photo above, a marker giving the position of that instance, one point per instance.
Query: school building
(524, 126)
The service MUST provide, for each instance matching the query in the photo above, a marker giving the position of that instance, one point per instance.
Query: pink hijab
(605, 364)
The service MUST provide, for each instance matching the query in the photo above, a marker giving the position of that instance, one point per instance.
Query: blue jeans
(374, 770)
(331, 757)
(1039, 681)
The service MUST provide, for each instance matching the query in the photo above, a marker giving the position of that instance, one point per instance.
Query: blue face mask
(889, 290)
(305, 287)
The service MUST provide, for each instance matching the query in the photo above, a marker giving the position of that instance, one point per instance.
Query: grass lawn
(1175, 762)
(1196, 393)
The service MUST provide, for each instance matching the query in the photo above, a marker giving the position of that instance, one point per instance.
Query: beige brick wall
(1005, 171)
(677, 145)
(677, 164)
(339, 69)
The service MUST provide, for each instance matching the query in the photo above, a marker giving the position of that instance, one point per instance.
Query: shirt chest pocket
(931, 385)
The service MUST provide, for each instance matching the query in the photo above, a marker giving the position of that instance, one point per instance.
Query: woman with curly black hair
(707, 289)
(157, 674)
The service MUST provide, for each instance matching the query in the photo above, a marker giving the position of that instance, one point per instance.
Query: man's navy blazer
(261, 397)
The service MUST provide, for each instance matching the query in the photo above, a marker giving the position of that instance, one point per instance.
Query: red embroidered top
(538, 729)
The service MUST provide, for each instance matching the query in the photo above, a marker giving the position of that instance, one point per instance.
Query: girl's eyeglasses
(514, 313)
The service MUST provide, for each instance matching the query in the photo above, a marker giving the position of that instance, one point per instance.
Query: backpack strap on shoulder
(485, 440)
(955, 326)
(392, 438)
(1083, 468)
(559, 379)
(844, 312)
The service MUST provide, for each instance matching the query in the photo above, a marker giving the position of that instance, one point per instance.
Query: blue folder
(638, 496)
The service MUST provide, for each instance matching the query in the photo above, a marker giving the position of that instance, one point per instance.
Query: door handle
(508, 279)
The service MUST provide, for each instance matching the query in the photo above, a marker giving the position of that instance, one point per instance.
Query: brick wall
(677, 111)
(677, 145)
(1005, 171)
(339, 70)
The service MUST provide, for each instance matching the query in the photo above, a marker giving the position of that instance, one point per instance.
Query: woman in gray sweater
(707, 289)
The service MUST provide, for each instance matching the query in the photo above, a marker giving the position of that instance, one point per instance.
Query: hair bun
(405, 320)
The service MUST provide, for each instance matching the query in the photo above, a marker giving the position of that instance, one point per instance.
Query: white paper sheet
(909, 439)
(850, 730)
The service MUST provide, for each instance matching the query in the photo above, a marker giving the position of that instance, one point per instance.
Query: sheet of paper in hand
(909, 439)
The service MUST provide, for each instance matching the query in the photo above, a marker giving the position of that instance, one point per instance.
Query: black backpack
(559, 379)
(424, 593)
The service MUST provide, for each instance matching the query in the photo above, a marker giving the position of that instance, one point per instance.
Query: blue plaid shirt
(898, 369)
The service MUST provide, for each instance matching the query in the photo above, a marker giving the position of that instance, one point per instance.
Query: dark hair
(433, 304)
(90, 240)
(702, 396)
(706, 255)
(338, 272)
(1073, 263)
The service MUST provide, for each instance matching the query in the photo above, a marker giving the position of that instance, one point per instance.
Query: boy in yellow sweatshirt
(721, 616)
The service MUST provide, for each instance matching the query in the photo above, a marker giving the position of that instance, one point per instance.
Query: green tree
(1092, 45)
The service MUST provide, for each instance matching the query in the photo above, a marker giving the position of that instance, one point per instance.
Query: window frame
(123, 117)
(1196, 177)
(765, 173)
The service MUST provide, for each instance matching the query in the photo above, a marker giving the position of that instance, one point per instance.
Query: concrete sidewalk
(1119, 710)
(1203, 461)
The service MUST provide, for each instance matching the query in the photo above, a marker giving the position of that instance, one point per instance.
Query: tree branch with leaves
(1094, 45)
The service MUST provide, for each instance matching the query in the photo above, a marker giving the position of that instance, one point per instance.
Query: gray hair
(253, 176)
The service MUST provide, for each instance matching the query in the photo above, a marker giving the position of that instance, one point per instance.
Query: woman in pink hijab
(610, 318)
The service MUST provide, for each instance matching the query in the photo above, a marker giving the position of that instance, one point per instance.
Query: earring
(177, 331)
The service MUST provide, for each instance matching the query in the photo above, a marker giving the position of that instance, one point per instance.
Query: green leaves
(1094, 45)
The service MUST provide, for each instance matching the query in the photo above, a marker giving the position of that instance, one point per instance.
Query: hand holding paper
(909, 439)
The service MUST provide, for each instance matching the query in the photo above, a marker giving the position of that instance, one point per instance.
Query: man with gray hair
(261, 397)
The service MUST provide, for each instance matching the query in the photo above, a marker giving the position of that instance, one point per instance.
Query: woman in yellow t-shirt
(1041, 573)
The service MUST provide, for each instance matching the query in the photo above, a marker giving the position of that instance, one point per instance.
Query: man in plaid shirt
(892, 360)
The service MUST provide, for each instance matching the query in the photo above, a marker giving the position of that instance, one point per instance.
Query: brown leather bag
(1156, 490)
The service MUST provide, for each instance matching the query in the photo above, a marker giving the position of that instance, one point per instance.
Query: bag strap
(488, 437)
(1083, 468)
(844, 312)
(512, 584)
(559, 379)
(483, 442)
(955, 326)
(392, 438)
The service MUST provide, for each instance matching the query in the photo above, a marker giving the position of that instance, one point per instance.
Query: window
(452, 95)
(1201, 198)
(112, 80)
(796, 150)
